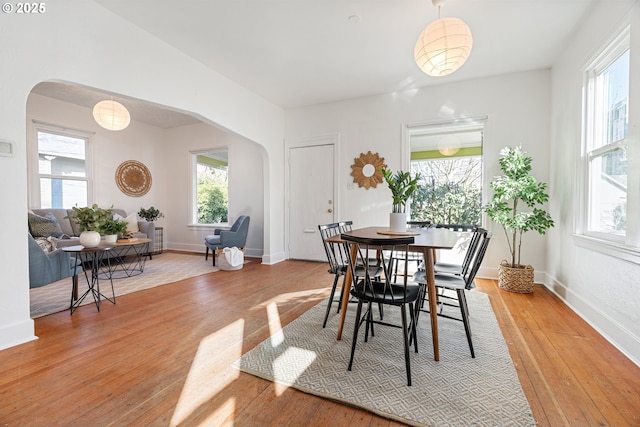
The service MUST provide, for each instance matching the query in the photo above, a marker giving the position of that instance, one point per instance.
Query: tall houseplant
(515, 205)
(402, 186)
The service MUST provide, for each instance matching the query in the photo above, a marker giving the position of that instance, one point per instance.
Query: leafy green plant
(114, 226)
(402, 187)
(150, 214)
(515, 191)
(90, 218)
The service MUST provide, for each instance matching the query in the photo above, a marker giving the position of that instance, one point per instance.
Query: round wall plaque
(133, 178)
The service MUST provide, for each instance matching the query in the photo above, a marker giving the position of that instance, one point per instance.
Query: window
(211, 200)
(607, 143)
(62, 170)
(450, 164)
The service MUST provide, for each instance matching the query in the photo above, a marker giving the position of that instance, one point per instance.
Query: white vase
(398, 221)
(111, 238)
(89, 239)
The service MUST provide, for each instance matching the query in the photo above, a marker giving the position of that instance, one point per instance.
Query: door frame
(310, 141)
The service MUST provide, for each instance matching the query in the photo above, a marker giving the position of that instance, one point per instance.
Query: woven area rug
(456, 391)
(161, 270)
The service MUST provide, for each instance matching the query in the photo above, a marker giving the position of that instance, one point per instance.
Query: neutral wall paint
(603, 289)
(517, 110)
(245, 185)
(68, 44)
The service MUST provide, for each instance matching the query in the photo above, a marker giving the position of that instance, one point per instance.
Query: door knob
(329, 210)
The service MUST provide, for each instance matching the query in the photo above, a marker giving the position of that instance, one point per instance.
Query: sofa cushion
(63, 220)
(131, 220)
(44, 226)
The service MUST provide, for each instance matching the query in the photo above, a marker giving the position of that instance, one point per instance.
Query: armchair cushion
(235, 236)
(48, 267)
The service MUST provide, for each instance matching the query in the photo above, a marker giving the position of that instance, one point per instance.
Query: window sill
(616, 250)
(208, 226)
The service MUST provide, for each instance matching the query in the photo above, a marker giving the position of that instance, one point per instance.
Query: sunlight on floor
(292, 358)
(201, 384)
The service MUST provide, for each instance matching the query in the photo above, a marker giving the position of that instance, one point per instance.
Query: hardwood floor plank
(162, 357)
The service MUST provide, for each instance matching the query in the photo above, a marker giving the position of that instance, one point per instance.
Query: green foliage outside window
(212, 197)
(450, 191)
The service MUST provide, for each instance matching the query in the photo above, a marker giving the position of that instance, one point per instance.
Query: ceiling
(303, 52)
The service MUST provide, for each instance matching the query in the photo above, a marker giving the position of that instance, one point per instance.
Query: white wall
(138, 141)
(603, 289)
(517, 110)
(80, 42)
(245, 185)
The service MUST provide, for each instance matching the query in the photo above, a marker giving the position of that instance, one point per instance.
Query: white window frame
(34, 188)
(621, 246)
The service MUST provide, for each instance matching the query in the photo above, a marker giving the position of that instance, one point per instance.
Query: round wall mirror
(366, 169)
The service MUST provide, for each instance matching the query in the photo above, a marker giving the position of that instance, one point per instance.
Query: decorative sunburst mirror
(365, 170)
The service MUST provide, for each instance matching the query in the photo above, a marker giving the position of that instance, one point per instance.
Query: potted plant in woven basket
(514, 205)
(402, 186)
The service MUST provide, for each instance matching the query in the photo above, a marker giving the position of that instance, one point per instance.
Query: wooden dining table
(425, 241)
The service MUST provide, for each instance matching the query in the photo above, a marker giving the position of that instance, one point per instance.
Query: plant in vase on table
(90, 221)
(150, 214)
(402, 186)
(112, 228)
(514, 205)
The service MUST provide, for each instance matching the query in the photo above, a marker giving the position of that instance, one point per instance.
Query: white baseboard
(17, 333)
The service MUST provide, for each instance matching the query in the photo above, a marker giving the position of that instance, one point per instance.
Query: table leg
(346, 289)
(431, 292)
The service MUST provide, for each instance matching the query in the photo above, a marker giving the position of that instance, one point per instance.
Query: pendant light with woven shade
(443, 46)
(111, 115)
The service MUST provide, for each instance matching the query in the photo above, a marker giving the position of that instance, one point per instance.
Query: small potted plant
(514, 205)
(150, 214)
(402, 186)
(112, 228)
(90, 221)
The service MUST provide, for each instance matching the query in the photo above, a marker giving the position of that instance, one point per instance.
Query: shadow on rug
(456, 391)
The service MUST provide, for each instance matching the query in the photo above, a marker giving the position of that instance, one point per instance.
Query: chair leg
(405, 332)
(355, 335)
(464, 311)
(213, 257)
(206, 253)
(333, 291)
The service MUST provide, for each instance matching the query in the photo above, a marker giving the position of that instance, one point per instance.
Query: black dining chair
(471, 237)
(368, 290)
(458, 284)
(338, 258)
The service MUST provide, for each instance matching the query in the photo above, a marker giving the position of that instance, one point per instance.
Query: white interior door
(311, 199)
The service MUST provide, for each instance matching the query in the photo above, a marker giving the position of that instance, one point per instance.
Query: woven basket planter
(518, 280)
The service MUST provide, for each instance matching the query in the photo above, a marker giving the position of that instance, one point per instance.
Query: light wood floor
(162, 357)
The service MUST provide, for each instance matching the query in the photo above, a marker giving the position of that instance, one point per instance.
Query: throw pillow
(44, 226)
(132, 222)
(45, 244)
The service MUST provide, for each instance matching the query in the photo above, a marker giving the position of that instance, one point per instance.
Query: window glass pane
(608, 192)
(613, 100)
(61, 155)
(449, 160)
(62, 193)
(212, 183)
(62, 170)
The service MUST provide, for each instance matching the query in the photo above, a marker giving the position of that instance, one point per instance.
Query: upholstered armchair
(48, 267)
(221, 238)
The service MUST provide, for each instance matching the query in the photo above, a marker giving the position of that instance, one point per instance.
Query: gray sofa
(47, 262)
(72, 231)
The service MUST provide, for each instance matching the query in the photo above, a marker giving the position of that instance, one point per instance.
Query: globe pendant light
(111, 115)
(443, 46)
